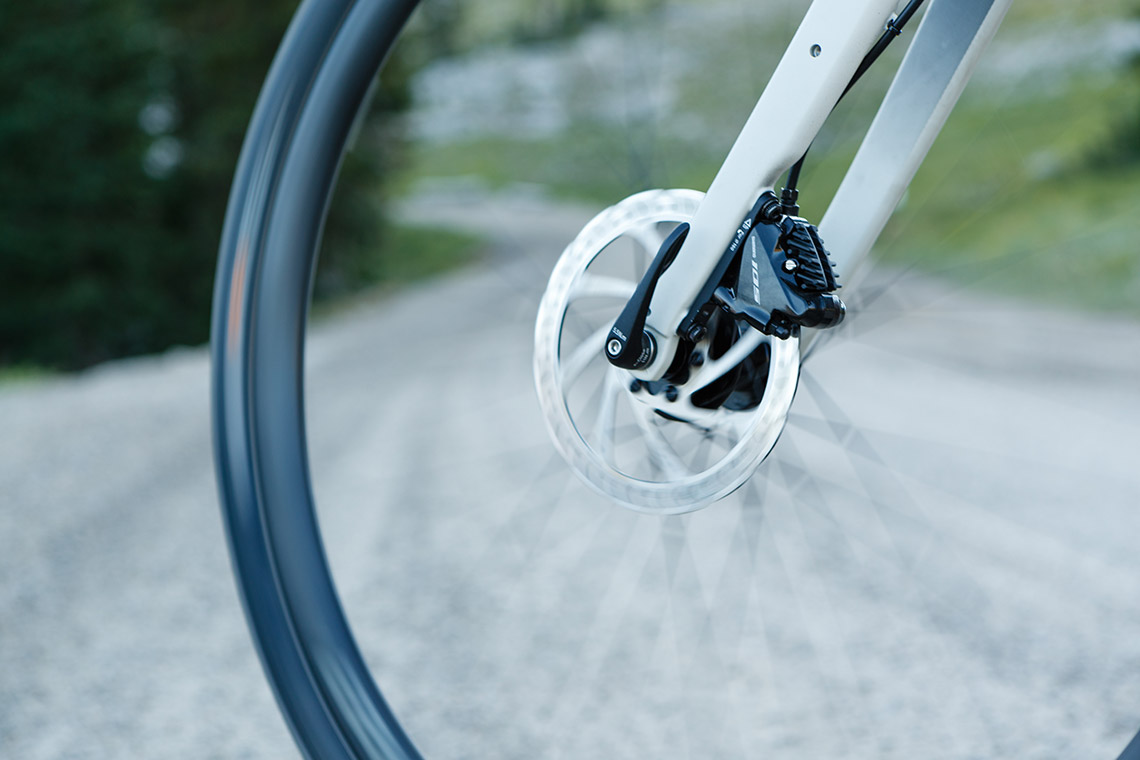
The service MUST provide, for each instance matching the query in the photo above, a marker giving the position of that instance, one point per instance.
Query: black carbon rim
(285, 176)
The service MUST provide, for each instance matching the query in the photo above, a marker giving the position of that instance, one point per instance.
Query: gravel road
(938, 561)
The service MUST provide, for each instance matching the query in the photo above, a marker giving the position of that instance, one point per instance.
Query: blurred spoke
(601, 286)
(607, 410)
(660, 451)
(739, 351)
(590, 350)
(649, 238)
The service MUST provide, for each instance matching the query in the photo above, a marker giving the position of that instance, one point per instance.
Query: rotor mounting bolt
(671, 393)
(613, 348)
(697, 359)
(634, 385)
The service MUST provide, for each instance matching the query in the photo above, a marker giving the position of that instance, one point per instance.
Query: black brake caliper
(775, 274)
(785, 279)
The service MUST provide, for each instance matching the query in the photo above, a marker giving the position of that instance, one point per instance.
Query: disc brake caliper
(785, 279)
(778, 280)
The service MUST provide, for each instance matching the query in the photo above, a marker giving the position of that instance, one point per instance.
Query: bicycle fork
(813, 74)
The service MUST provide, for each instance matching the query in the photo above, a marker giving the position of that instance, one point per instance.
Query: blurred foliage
(549, 19)
(1122, 148)
(452, 27)
(79, 219)
(122, 120)
(121, 126)
(1007, 201)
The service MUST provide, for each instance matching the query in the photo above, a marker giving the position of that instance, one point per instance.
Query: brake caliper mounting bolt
(790, 265)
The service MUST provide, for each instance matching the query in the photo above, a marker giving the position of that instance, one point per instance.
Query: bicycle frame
(823, 55)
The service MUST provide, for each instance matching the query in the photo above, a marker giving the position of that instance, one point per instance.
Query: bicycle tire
(314, 90)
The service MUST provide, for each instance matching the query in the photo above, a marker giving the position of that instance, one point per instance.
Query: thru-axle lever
(628, 345)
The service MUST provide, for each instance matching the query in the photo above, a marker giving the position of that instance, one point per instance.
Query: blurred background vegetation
(1030, 192)
(122, 119)
(119, 131)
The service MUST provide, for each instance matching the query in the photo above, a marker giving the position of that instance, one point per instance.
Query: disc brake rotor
(662, 447)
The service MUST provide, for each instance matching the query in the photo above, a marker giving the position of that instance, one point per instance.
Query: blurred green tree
(78, 217)
(1128, 138)
(120, 128)
(1122, 148)
(555, 19)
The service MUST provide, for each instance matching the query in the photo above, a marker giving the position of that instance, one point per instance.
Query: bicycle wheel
(717, 587)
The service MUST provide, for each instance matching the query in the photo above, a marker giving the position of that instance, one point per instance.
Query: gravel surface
(938, 561)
